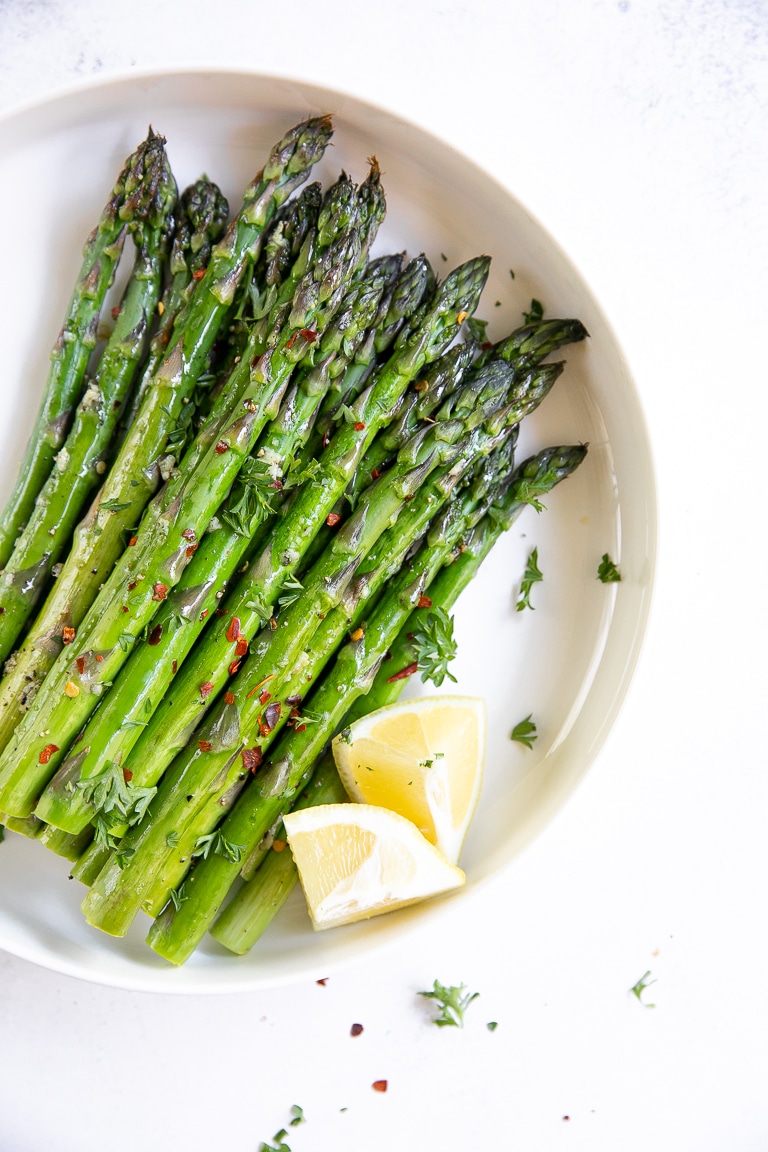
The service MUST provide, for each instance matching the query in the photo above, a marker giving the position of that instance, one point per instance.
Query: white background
(636, 132)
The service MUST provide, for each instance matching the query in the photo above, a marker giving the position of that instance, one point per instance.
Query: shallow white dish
(569, 662)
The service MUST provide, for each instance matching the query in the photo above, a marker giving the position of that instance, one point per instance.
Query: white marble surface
(636, 133)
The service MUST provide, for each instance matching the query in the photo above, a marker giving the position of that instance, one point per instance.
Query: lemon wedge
(358, 860)
(421, 758)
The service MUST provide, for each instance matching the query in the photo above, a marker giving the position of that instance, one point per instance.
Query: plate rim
(197, 981)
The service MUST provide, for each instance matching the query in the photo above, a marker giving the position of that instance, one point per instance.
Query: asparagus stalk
(82, 459)
(210, 774)
(313, 503)
(246, 917)
(77, 339)
(180, 927)
(145, 678)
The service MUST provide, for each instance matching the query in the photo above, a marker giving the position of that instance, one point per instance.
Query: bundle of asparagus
(301, 449)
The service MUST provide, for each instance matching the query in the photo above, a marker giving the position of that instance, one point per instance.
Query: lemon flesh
(421, 758)
(359, 860)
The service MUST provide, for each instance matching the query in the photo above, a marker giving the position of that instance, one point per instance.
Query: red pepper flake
(155, 635)
(324, 981)
(99, 659)
(242, 646)
(115, 312)
(332, 519)
(204, 613)
(356, 1030)
(127, 775)
(273, 623)
(234, 667)
(358, 426)
(229, 697)
(159, 591)
(486, 346)
(379, 1085)
(132, 585)
(375, 473)
(191, 550)
(300, 728)
(404, 673)
(189, 534)
(67, 634)
(233, 631)
(198, 275)
(294, 701)
(279, 845)
(47, 752)
(252, 758)
(264, 696)
(221, 447)
(204, 745)
(125, 607)
(260, 684)
(132, 541)
(326, 438)
(220, 612)
(80, 664)
(205, 689)
(424, 602)
(174, 667)
(309, 335)
(292, 340)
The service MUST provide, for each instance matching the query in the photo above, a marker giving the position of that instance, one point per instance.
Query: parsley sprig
(640, 987)
(435, 646)
(607, 571)
(525, 732)
(531, 576)
(116, 802)
(217, 843)
(453, 1002)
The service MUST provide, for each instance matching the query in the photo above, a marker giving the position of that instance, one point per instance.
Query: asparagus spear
(77, 339)
(211, 780)
(83, 457)
(182, 924)
(145, 678)
(282, 555)
(245, 918)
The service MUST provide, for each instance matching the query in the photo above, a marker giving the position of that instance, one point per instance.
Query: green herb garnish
(525, 732)
(535, 313)
(452, 1001)
(607, 570)
(435, 646)
(640, 987)
(531, 576)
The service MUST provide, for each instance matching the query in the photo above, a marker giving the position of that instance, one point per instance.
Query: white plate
(568, 662)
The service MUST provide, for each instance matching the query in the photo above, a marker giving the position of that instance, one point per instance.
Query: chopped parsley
(607, 571)
(452, 1002)
(525, 732)
(531, 576)
(640, 987)
(535, 313)
(435, 646)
